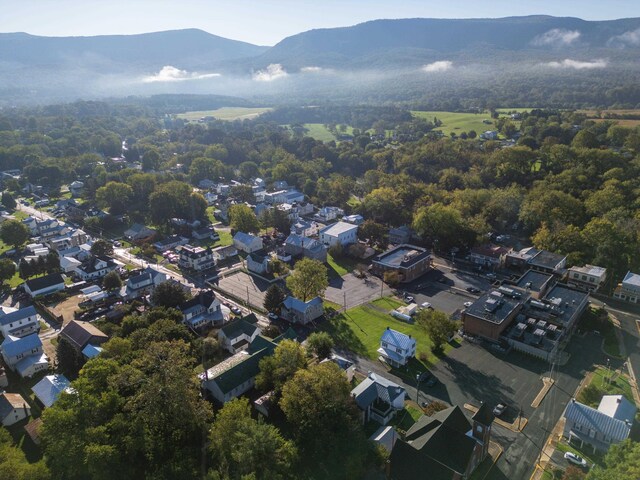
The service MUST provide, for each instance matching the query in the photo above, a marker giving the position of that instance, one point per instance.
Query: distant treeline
(362, 117)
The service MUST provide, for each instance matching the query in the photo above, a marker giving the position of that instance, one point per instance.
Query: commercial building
(408, 261)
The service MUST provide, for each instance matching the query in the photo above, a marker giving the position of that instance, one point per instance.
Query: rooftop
(534, 281)
(10, 401)
(618, 407)
(590, 270)
(398, 339)
(493, 307)
(338, 228)
(547, 259)
(402, 256)
(632, 279)
(40, 283)
(49, 388)
(7, 318)
(597, 420)
(376, 387)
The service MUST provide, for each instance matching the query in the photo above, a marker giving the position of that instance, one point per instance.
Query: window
(399, 350)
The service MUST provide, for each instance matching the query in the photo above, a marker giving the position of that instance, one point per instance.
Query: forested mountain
(534, 61)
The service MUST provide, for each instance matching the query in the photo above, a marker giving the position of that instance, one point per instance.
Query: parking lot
(355, 291)
(243, 285)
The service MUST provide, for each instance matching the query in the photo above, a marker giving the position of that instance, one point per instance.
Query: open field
(600, 116)
(458, 122)
(225, 113)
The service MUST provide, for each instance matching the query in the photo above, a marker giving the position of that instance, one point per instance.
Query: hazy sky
(266, 22)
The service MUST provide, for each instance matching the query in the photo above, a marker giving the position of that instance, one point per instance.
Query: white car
(575, 459)
(467, 304)
(426, 305)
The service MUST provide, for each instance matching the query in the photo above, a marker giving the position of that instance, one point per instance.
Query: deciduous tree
(320, 343)
(438, 326)
(308, 280)
(242, 219)
(276, 369)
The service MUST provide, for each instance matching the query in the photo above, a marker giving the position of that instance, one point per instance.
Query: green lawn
(388, 303)
(406, 417)
(225, 239)
(359, 330)
(341, 266)
(319, 132)
(353, 202)
(225, 113)
(618, 386)
(458, 122)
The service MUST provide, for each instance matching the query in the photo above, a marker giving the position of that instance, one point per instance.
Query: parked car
(473, 290)
(491, 276)
(409, 299)
(272, 316)
(499, 409)
(575, 459)
(467, 304)
(236, 310)
(427, 305)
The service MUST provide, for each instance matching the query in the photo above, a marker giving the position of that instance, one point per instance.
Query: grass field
(597, 116)
(618, 386)
(225, 113)
(359, 330)
(319, 132)
(341, 266)
(458, 122)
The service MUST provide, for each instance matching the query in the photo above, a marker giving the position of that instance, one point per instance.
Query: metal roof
(13, 346)
(49, 388)
(398, 339)
(596, 420)
(7, 318)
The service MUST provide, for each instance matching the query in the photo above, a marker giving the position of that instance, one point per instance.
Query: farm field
(225, 113)
(599, 116)
(458, 122)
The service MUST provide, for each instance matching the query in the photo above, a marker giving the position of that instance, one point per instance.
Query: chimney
(619, 400)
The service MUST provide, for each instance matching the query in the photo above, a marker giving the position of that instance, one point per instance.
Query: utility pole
(247, 296)
(381, 287)
(345, 301)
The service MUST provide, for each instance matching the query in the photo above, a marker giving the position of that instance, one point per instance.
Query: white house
(49, 388)
(588, 277)
(378, 398)
(340, 233)
(95, 267)
(258, 263)
(629, 289)
(326, 214)
(202, 310)
(355, 219)
(170, 242)
(247, 243)
(196, 258)
(51, 283)
(222, 253)
(305, 228)
(142, 284)
(19, 323)
(397, 348)
(138, 232)
(13, 408)
(297, 311)
(237, 335)
(76, 188)
(24, 355)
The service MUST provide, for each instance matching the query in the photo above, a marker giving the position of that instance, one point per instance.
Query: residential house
(629, 289)
(347, 366)
(378, 398)
(223, 253)
(72, 238)
(49, 388)
(259, 182)
(258, 262)
(142, 284)
(202, 310)
(296, 245)
(170, 242)
(489, 135)
(24, 355)
(196, 258)
(355, 219)
(396, 347)
(326, 214)
(51, 283)
(236, 375)
(446, 445)
(589, 277)
(407, 261)
(599, 428)
(69, 264)
(489, 256)
(238, 334)
(95, 267)
(247, 243)
(400, 235)
(80, 334)
(283, 196)
(297, 311)
(19, 323)
(206, 184)
(305, 228)
(13, 408)
(340, 233)
(204, 233)
(138, 232)
(211, 198)
(75, 188)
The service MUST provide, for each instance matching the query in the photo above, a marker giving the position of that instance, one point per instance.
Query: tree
(383, 205)
(242, 447)
(573, 473)
(101, 248)
(318, 405)
(277, 219)
(273, 298)
(320, 343)
(14, 232)
(8, 201)
(243, 193)
(621, 462)
(112, 281)
(438, 326)
(443, 225)
(375, 233)
(116, 196)
(242, 219)
(308, 280)
(13, 463)
(288, 357)
(7, 270)
(150, 160)
(69, 360)
(169, 294)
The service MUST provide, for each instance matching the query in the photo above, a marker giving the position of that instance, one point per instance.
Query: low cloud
(269, 74)
(630, 38)
(439, 66)
(311, 69)
(169, 73)
(556, 37)
(578, 65)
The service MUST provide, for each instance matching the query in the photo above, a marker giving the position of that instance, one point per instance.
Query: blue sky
(268, 21)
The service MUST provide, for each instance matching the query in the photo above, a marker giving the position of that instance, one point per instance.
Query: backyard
(359, 330)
